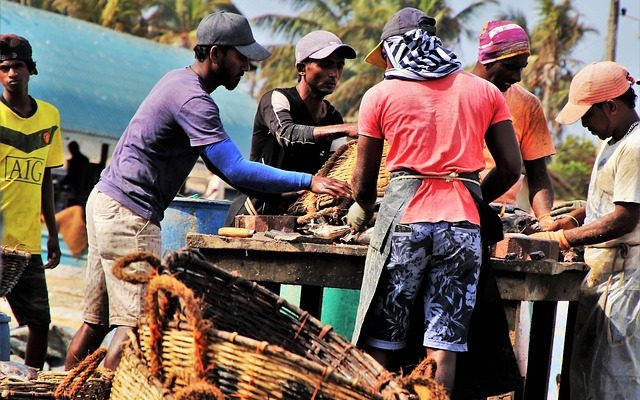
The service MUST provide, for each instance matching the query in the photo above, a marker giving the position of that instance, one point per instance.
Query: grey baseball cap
(321, 44)
(229, 29)
(401, 22)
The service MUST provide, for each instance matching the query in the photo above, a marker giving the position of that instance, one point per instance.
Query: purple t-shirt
(161, 145)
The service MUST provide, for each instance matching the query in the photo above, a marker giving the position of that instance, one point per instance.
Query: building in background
(98, 77)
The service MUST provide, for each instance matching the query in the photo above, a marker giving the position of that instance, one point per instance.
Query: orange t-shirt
(532, 134)
(434, 127)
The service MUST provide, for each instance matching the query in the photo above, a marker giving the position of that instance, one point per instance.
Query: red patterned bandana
(501, 39)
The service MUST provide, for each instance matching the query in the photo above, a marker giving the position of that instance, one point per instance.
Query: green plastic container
(339, 308)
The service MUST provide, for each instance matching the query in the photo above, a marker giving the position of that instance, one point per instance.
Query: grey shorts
(114, 231)
(441, 261)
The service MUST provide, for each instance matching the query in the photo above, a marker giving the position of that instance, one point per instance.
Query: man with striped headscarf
(502, 55)
(426, 246)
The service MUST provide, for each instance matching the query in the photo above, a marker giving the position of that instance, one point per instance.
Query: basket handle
(79, 375)
(157, 311)
(137, 277)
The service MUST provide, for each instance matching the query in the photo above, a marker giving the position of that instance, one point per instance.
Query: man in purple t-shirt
(177, 123)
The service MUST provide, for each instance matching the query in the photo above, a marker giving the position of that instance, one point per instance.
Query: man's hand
(357, 217)
(53, 252)
(351, 130)
(331, 186)
(557, 236)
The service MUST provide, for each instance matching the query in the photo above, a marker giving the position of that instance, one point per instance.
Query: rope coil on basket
(200, 391)
(78, 376)
(137, 277)
(157, 311)
(421, 381)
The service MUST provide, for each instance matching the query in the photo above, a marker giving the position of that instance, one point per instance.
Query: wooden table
(545, 282)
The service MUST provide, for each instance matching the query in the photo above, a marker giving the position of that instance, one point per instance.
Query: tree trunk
(612, 31)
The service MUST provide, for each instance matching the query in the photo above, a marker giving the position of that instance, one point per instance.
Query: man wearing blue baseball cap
(177, 123)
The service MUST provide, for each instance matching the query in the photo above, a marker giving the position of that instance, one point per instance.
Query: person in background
(177, 123)
(502, 55)
(215, 188)
(426, 243)
(294, 127)
(77, 179)
(30, 146)
(605, 362)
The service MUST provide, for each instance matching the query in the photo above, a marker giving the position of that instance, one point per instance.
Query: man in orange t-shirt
(502, 55)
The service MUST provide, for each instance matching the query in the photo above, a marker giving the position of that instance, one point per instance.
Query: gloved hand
(557, 236)
(357, 217)
(545, 221)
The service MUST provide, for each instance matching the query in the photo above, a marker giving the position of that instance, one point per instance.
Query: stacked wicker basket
(210, 334)
(87, 381)
(12, 265)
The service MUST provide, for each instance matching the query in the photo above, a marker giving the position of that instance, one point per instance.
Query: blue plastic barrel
(186, 215)
(5, 348)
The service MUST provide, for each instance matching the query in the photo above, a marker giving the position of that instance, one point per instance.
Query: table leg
(565, 389)
(540, 349)
(311, 299)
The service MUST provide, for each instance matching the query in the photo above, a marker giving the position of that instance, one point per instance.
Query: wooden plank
(261, 243)
(292, 268)
(539, 287)
(544, 267)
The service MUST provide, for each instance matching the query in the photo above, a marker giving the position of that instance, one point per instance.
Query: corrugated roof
(97, 77)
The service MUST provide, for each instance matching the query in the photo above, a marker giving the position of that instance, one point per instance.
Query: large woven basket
(235, 304)
(133, 380)
(181, 347)
(12, 265)
(340, 166)
(85, 382)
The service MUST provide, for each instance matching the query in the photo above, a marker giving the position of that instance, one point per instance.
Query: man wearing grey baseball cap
(176, 124)
(294, 127)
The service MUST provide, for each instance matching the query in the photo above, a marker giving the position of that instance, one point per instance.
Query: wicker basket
(340, 166)
(181, 348)
(12, 265)
(133, 380)
(86, 381)
(235, 304)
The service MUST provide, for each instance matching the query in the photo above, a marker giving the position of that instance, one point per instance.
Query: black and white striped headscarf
(418, 56)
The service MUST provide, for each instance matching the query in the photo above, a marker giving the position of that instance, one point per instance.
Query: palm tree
(175, 21)
(357, 22)
(167, 21)
(550, 65)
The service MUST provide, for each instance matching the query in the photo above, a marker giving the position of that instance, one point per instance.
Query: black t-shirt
(283, 132)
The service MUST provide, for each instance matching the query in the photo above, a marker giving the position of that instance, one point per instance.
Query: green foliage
(358, 23)
(571, 167)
